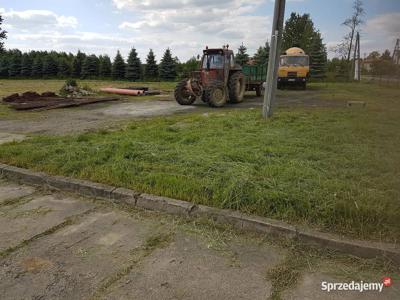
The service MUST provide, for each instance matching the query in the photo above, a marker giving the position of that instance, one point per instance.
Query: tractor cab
(217, 58)
(216, 64)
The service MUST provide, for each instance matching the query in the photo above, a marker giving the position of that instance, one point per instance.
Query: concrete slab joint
(173, 206)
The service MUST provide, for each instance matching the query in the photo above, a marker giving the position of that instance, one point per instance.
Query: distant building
(367, 64)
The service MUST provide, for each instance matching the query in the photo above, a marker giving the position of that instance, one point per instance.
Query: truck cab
(294, 68)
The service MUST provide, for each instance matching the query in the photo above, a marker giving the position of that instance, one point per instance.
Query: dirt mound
(29, 96)
(49, 94)
(11, 98)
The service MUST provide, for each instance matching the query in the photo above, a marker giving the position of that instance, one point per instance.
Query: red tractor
(219, 80)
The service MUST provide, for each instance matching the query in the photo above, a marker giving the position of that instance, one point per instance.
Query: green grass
(335, 169)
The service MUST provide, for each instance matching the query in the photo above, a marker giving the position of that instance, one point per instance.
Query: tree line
(44, 64)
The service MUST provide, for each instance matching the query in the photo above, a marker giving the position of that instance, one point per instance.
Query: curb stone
(223, 216)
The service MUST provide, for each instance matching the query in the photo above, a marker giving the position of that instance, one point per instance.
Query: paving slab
(75, 261)
(189, 269)
(309, 287)
(22, 222)
(9, 191)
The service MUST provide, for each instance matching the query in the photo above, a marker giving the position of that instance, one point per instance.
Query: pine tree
(151, 70)
(26, 65)
(386, 55)
(37, 66)
(77, 64)
(134, 66)
(3, 35)
(50, 66)
(4, 65)
(64, 67)
(318, 57)
(15, 63)
(300, 32)
(167, 67)
(262, 55)
(105, 66)
(242, 57)
(118, 67)
(90, 67)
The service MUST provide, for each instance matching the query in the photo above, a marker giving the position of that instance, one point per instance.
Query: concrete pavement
(61, 246)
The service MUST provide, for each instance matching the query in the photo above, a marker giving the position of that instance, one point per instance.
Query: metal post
(273, 62)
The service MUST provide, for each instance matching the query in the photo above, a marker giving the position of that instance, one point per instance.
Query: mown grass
(336, 169)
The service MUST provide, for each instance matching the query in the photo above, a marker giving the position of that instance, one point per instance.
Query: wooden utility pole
(273, 62)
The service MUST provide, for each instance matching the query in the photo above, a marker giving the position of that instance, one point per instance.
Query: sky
(185, 26)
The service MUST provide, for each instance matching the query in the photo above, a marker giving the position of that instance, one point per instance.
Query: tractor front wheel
(215, 95)
(237, 87)
(182, 95)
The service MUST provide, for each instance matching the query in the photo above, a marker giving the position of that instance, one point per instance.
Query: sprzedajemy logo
(360, 286)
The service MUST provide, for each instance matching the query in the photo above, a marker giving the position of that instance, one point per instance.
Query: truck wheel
(237, 87)
(215, 95)
(304, 86)
(182, 95)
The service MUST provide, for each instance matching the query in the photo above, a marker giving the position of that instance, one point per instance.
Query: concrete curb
(187, 209)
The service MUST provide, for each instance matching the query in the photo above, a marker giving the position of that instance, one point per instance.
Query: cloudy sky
(186, 26)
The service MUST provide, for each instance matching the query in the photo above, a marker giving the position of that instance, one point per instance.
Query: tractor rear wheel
(215, 95)
(182, 95)
(237, 87)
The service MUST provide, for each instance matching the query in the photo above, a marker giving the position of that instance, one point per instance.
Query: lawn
(336, 169)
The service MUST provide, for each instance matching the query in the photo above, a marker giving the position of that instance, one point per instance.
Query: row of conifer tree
(43, 64)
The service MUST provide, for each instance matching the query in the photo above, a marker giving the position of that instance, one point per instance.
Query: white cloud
(381, 32)
(37, 20)
(46, 30)
(86, 41)
(386, 24)
(186, 26)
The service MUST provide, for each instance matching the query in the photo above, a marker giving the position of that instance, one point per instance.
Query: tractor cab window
(294, 61)
(213, 61)
(231, 61)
